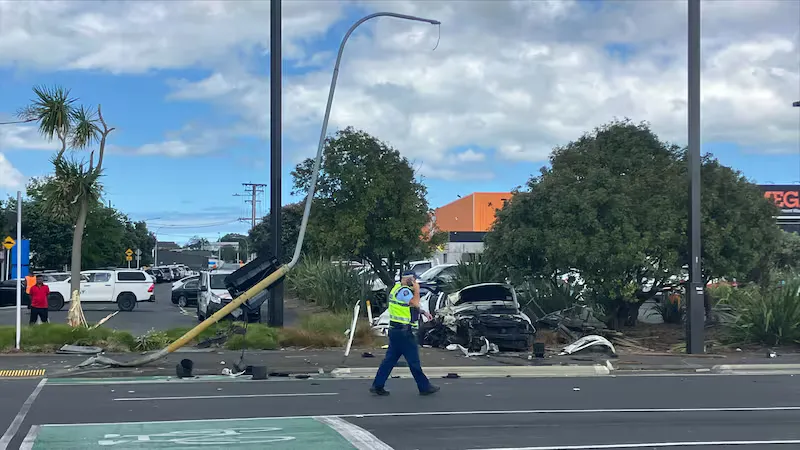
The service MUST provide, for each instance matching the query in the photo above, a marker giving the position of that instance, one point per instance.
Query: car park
(125, 287)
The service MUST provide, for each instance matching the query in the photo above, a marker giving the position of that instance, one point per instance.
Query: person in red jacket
(39, 294)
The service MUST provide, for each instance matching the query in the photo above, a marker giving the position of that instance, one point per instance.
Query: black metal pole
(695, 323)
(275, 305)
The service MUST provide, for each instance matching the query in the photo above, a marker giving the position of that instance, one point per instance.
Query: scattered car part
(585, 342)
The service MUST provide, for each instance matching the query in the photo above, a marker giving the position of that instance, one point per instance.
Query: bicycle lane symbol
(224, 436)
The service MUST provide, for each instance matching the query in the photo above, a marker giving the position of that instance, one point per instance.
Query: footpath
(436, 362)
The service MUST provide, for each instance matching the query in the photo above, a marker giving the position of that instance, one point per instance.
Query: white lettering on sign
(260, 435)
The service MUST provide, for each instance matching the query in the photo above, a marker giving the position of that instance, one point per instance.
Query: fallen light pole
(284, 269)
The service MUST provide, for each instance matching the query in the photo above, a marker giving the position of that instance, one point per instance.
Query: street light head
(796, 104)
(435, 22)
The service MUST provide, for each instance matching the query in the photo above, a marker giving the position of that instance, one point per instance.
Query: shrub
(539, 297)
(771, 316)
(152, 340)
(476, 272)
(52, 336)
(257, 337)
(332, 286)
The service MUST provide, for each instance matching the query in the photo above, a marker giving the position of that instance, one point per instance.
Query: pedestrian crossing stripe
(21, 373)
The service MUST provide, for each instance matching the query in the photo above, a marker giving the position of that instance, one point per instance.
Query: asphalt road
(507, 413)
(159, 315)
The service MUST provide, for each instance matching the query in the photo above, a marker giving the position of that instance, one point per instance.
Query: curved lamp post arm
(317, 162)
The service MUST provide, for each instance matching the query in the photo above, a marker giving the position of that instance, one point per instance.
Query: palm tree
(75, 187)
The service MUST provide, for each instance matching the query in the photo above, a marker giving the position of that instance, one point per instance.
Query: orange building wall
(455, 216)
(485, 206)
(475, 212)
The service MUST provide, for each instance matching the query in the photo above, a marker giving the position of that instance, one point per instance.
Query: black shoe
(431, 390)
(379, 391)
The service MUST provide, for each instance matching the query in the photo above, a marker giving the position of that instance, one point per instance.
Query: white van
(213, 295)
(125, 287)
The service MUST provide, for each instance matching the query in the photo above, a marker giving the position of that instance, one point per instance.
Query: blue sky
(479, 113)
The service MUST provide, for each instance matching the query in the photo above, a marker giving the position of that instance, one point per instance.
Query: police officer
(403, 298)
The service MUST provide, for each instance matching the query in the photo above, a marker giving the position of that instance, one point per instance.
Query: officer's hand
(415, 284)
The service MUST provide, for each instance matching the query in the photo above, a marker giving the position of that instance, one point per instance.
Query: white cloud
(470, 155)
(518, 77)
(143, 35)
(24, 137)
(522, 77)
(10, 177)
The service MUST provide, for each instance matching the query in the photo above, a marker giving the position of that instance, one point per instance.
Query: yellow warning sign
(8, 243)
(128, 253)
(128, 258)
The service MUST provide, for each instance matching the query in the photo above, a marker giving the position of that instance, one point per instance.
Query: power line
(252, 190)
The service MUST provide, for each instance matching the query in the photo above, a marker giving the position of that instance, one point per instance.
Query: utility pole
(695, 314)
(275, 305)
(253, 189)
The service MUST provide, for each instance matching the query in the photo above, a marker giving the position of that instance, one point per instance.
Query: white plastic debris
(576, 389)
(585, 342)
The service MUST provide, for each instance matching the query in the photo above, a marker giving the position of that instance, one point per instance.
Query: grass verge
(325, 330)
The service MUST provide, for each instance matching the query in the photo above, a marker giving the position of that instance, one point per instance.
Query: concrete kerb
(481, 371)
(757, 369)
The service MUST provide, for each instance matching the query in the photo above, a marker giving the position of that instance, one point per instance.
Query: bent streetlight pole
(695, 322)
(275, 303)
(327, 115)
(282, 270)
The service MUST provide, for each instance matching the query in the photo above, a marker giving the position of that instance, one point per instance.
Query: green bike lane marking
(272, 433)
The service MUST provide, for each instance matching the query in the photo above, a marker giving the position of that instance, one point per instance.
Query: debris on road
(586, 342)
(79, 350)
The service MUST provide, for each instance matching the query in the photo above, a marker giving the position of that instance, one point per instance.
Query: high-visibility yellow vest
(399, 311)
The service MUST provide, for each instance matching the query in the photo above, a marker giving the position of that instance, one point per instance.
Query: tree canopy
(613, 206)
(368, 205)
(108, 231)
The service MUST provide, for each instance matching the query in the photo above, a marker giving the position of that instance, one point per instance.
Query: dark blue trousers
(402, 342)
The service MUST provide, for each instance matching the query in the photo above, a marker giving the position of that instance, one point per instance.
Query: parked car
(125, 287)
(418, 267)
(185, 291)
(157, 275)
(436, 278)
(8, 293)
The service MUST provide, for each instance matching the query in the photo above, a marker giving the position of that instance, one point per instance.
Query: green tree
(230, 253)
(260, 237)
(369, 205)
(614, 206)
(197, 243)
(76, 127)
(787, 257)
(605, 208)
(739, 234)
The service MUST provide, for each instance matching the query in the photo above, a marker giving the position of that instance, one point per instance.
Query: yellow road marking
(21, 373)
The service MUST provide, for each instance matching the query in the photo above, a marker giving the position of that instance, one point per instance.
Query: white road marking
(653, 445)
(30, 438)
(15, 424)
(465, 413)
(211, 397)
(359, 437)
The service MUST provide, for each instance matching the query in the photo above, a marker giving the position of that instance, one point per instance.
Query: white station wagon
(125, 287)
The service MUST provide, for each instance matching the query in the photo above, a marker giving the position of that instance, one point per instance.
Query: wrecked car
(487, 311)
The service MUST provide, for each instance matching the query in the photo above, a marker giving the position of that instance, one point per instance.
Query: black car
(157, 275)
(8, 293)
(186, 294)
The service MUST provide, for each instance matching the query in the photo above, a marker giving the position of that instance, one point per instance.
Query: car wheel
(126, 301)
(55, 302)
(183, 301)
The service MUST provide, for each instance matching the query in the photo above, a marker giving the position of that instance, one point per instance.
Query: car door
(100, 287)
(191, 289)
